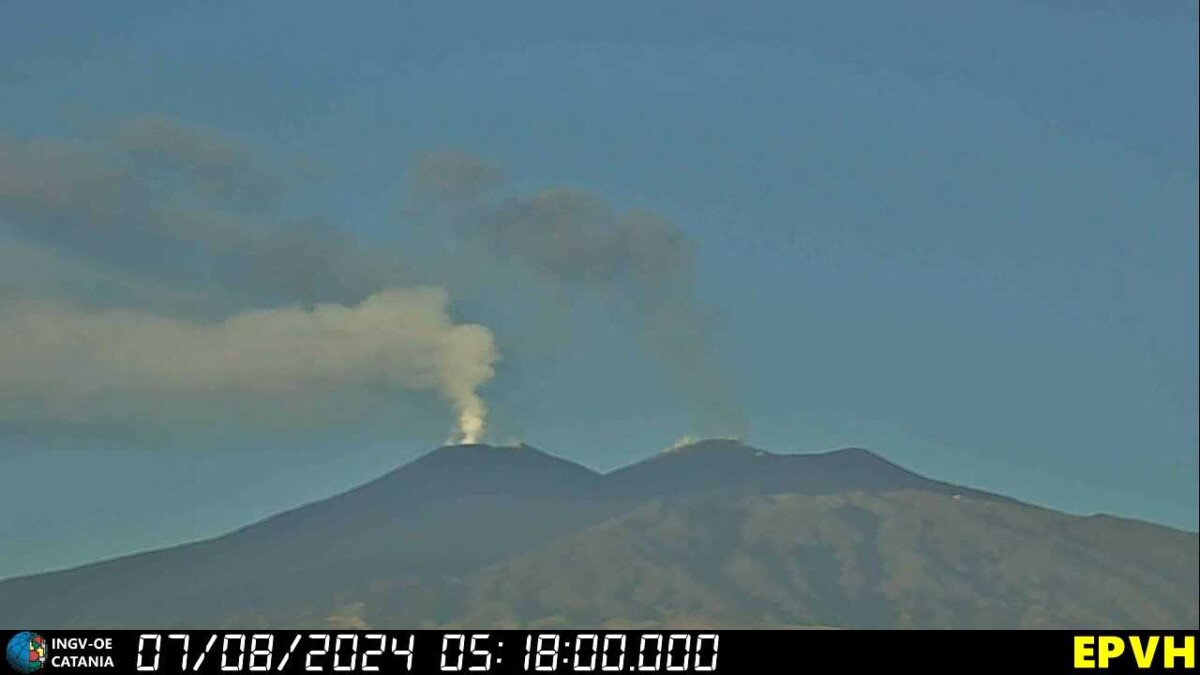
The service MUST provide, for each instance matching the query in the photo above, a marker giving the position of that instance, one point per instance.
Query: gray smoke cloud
(452, 177)
(572, 239)
(180, 204)
(161, 267)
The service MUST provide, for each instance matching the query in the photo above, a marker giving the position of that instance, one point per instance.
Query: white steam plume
(58, 361)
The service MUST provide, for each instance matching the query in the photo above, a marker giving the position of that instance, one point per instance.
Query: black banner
(601, 651)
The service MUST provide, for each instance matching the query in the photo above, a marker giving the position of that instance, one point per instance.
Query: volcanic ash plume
(571, 239)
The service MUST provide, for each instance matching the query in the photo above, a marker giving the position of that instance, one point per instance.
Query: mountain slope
(904, 559)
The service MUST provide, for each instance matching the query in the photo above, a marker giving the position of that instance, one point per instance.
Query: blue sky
(962, 236)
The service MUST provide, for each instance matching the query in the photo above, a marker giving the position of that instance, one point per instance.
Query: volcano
(717, 533)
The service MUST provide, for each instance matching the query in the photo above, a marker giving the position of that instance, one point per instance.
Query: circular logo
(26, 652)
